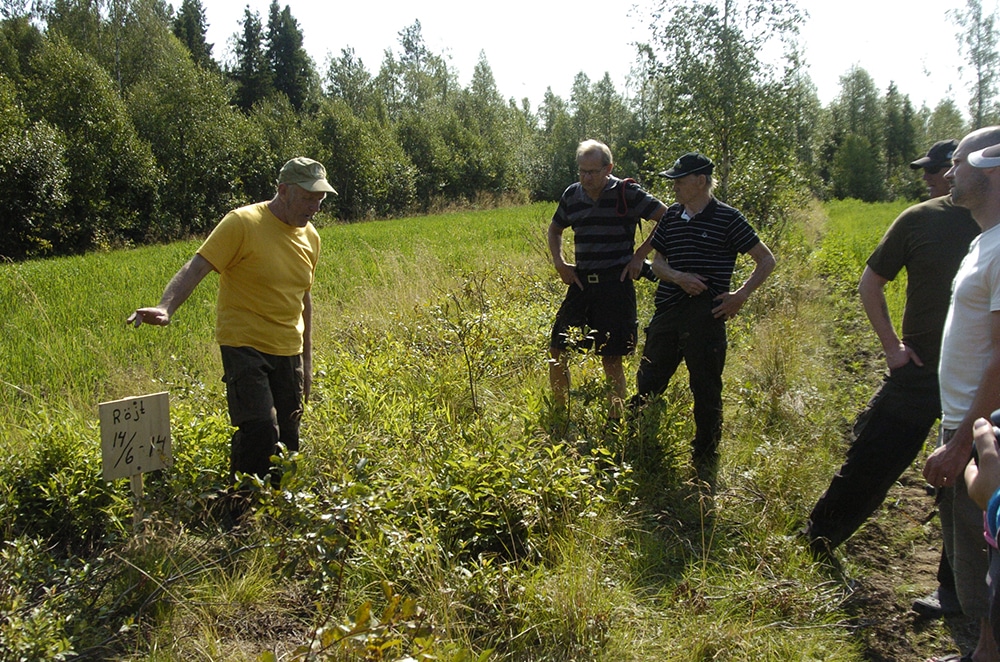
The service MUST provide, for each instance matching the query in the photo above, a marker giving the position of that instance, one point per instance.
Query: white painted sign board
(135, 435)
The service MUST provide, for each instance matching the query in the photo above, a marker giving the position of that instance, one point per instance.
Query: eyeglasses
(583, 171)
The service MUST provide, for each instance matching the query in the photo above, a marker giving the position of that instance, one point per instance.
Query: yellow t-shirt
(265, 267)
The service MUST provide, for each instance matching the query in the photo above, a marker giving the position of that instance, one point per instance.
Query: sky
(532, 45)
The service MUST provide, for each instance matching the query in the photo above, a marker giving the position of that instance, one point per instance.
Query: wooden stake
(137, 503)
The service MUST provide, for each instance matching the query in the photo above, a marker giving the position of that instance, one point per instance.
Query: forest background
(117, 126)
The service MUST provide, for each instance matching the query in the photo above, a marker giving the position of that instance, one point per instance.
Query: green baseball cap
(309, 174)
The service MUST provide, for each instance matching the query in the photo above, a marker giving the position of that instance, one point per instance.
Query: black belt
(602, 276)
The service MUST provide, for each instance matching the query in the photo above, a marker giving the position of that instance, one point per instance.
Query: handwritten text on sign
(135, 435)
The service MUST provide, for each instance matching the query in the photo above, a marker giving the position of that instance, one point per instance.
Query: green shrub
(207, 147)
(112, 176)
(54, 490)
(373, 176)
(36, 612)
(33, 179)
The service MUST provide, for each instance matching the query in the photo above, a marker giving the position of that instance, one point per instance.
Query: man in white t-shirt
(969, 376)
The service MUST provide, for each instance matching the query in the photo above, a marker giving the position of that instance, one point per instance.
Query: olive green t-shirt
(929, 240)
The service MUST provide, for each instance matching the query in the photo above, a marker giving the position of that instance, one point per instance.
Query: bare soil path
(894, 558)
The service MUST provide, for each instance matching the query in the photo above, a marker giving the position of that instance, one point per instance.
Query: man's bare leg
(559, 376)
(614, 370)
(986, 648)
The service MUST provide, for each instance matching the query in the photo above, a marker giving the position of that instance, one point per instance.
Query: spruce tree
(290, 64)
(189, 26)
(252, 74)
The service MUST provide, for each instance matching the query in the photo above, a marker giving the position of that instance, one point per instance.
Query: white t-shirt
(965, 346)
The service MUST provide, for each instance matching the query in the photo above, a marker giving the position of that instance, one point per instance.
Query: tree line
(119, 127)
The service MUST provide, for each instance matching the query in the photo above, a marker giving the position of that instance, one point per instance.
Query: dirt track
(892, 560)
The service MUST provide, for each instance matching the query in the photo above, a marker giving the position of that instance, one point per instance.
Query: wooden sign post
(135, 438)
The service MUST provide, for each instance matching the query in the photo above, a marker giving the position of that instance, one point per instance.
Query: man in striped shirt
(697, 242)
(603, 212)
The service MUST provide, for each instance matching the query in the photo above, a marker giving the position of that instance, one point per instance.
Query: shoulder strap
(622, 207)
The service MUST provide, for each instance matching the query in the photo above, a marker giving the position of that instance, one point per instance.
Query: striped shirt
(603, 233)
(706, 245)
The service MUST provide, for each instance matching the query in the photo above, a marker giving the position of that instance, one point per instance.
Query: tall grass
(65, 342)
(435, 510)
(853, 232)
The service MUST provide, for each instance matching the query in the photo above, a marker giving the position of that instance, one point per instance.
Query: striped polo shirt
(604, 231)
(706, 245)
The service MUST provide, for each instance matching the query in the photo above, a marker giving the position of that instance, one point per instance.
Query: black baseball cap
(692, 163)
(938, 156)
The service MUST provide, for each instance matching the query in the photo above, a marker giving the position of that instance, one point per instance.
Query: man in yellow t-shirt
(266, 255)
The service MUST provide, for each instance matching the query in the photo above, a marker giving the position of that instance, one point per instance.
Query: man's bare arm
(177, 292)
(731, 302)
(871, 289)
(947, 463)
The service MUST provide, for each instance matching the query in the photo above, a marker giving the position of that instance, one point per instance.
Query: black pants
(689, 332)
(264, 393)
(888, 435)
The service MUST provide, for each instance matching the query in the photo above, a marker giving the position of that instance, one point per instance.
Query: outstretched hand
(155, 316)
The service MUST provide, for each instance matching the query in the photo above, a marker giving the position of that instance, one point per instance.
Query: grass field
(435, 511)
(852, 232)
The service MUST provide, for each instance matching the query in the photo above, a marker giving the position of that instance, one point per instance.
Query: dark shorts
(262, 386)
(604, 309)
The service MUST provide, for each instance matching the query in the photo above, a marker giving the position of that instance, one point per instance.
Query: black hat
(938, 156)
(692, 163)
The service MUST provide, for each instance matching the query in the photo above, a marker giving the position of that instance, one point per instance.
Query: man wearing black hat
(928, 240)
(935, 163)
(266, 255)
(697, 242)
